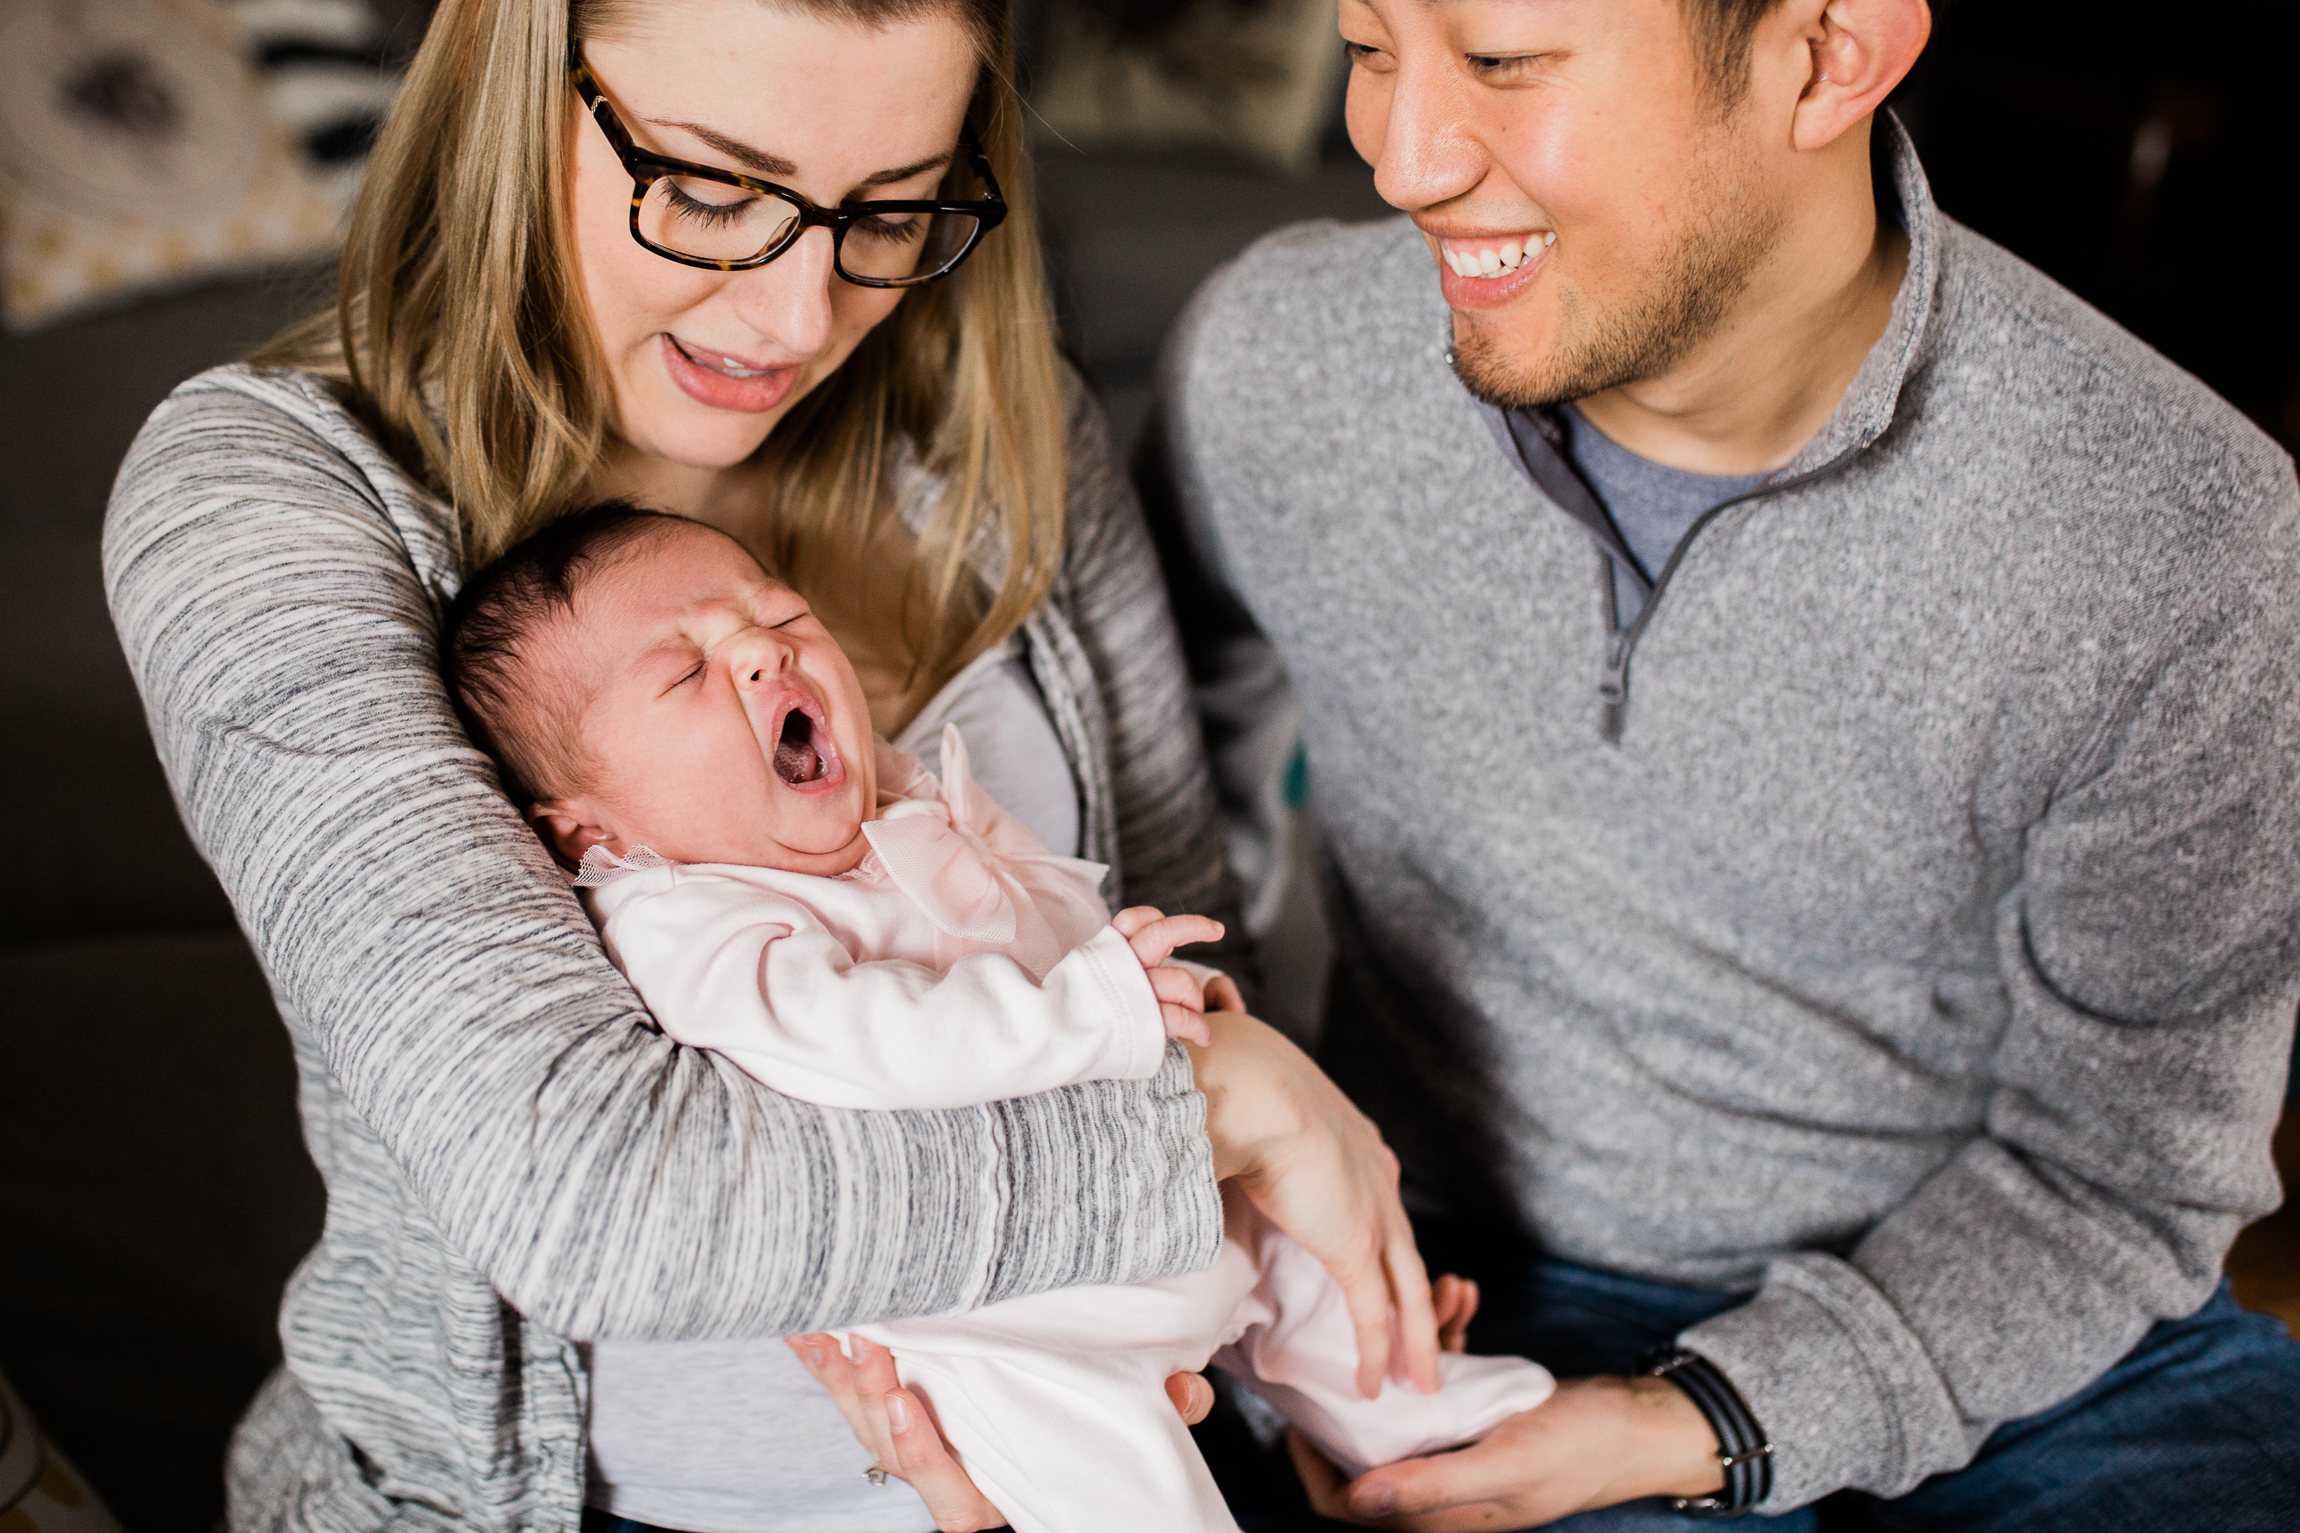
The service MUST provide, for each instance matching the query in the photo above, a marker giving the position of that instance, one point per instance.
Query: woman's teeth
(722, 364)
(1493, 260)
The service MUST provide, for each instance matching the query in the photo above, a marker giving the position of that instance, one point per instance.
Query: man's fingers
(1222, 994)
(1453, 1301)
(923, 1458)
(1321, 1481)
(1193, 1397)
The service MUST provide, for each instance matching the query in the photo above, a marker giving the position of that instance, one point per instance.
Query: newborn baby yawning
(784, 888)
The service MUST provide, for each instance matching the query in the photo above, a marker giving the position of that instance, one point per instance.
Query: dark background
(153, 1191)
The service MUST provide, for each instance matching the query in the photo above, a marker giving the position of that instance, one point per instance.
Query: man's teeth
(1496, 259)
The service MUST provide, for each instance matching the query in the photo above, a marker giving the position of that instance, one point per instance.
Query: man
(1802, 713)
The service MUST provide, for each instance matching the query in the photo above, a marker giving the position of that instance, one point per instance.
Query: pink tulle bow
(981, 876)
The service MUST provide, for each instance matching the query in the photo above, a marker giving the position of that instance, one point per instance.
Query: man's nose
(1429, 152)
(789, 298)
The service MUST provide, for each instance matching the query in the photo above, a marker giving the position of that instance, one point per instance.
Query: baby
(782, 887)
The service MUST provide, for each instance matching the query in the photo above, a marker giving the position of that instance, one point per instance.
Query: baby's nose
(756, 658)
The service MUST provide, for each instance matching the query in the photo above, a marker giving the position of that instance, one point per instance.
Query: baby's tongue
(794, 761)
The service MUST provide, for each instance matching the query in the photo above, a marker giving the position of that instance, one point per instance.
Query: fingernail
(897, 1413)
(1374, 1501)
(814, 1355)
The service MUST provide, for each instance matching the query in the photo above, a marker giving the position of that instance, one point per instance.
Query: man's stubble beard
(1696, 282)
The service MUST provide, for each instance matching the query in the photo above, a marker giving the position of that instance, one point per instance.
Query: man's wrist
(1676, 1447)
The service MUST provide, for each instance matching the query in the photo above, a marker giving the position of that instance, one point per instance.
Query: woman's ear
(1861, 49)
(571, 827)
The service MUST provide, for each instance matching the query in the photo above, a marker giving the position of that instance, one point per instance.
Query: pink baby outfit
(964, 963)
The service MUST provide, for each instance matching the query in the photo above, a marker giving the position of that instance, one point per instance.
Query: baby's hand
(1154, 936)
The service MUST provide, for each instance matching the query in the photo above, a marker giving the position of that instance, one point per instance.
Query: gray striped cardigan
(514, 1159)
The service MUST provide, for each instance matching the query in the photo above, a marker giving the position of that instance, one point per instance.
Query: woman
(544, 1220)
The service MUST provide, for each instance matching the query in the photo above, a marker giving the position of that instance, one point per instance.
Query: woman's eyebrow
(775, 165)
(733, 148)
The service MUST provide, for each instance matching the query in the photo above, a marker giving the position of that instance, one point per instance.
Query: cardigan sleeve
(276, 582)
(1171, 849)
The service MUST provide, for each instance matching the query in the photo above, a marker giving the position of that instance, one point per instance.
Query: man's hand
(1154, 936)
(1594, 1443)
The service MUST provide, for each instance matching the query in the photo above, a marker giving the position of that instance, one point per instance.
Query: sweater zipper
(1613, 681)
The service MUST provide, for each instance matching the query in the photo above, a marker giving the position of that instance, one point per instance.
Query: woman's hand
(897, 1428)
(902, 1434)
(1318, 1168)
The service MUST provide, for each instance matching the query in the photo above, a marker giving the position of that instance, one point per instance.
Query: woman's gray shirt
(515, 1159)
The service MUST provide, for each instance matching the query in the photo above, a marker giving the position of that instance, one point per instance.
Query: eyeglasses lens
(711, 220)
(895, 247)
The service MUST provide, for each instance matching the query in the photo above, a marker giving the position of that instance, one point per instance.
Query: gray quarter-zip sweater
(1895, 923)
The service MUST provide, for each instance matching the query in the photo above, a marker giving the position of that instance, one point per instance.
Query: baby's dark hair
(530, 733)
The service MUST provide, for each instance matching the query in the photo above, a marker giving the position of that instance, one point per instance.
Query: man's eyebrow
(767, 164)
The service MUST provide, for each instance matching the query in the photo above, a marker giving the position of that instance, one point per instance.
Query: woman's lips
(703, 376)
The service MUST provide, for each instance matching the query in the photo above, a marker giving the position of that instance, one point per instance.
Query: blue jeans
(2197, 1430)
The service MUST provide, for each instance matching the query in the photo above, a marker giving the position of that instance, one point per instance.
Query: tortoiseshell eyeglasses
(700, 215)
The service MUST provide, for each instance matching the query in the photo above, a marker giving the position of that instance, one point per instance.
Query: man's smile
(1494, 255)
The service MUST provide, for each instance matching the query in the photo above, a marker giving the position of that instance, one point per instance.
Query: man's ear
(571, 827)
(1860, 50)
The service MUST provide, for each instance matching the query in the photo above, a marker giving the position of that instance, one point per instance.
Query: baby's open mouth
(802, 754)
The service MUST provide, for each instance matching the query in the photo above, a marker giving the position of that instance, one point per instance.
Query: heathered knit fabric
(515, 1160)
(1921, 958)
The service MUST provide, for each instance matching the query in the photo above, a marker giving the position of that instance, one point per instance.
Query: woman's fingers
(921, 1456)
(1317, 1167)
(1410, 1287)
(1192, 1395)
(1222, 994)
(896, 1428)
(821, 1357)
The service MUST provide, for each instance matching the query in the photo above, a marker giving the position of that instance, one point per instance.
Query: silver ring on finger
(875, 1475)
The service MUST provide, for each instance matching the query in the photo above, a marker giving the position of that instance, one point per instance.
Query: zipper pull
(1613, 687)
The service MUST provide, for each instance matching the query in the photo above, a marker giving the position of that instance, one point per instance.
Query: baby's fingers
(1156, 941)
(1180, 1005)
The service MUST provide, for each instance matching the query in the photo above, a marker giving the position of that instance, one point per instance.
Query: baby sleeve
(759, 978)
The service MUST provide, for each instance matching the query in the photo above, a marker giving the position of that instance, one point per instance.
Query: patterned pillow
(145, 143)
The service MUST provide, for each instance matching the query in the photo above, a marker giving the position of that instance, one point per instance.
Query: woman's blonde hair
(462, 338)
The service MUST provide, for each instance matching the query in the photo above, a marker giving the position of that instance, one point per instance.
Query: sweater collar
(1867, 409)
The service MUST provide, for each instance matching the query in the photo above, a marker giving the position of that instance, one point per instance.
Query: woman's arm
(1307, 1157)
(276, 584)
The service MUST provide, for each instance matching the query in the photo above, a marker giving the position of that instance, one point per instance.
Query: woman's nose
(789, 298)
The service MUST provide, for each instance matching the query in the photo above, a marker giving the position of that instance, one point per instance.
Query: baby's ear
(569, 828)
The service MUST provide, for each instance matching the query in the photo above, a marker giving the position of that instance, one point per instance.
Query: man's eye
(1365, 55)
(1501, 65)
